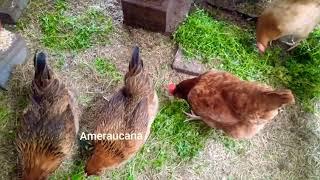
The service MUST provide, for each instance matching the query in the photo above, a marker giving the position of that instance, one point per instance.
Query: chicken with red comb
(223, 101)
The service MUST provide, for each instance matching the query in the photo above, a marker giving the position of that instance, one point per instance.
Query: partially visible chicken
(130, 111)
(282, 18)
(48, 126)
(225, 102)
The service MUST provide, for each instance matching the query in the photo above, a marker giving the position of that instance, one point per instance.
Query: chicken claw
(191, 116)
(289, 42)
(294, 46)
(293, 43)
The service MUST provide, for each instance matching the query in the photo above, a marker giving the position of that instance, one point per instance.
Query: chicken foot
(293, 43)
(191, 116)
(294, 46)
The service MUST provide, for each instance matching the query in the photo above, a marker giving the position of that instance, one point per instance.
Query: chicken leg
(191, 116)
(295, 45)
(293, 42)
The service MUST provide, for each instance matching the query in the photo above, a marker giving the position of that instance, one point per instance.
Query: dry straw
(6, 39)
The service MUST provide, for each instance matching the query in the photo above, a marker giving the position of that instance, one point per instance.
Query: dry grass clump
(6, 39)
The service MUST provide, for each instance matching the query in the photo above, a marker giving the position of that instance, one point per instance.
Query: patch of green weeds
(203, 37)
(5, 111)
(76, 172)
(170, 127)
(105, 68)
(62, 31)
(22, 101)
(6, 115)
(207, 39)
(303, 71)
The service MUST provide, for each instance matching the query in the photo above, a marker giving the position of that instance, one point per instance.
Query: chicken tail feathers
(39, 62)
(280, 97)
(136, 80)
(136, 64)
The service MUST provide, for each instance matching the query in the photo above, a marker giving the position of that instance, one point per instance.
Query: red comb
(171, 88)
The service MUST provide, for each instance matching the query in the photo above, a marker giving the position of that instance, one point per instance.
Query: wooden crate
(155, 15)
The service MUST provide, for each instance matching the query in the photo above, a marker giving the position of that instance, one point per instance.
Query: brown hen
(225, 102)
(296, 18)
(48, 126)
(130, 111)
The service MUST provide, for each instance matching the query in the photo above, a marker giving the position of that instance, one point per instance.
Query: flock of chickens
(50, 124)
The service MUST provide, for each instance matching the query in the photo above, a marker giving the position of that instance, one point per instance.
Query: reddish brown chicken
(296, 18)
(225, 102)
(130, 111)
(48, 126)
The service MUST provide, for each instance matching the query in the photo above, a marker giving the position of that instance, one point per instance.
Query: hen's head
(38, 165)
(267, 30)
(182, 89)
(177, 91)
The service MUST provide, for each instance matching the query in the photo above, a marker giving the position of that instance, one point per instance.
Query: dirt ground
(288, 148)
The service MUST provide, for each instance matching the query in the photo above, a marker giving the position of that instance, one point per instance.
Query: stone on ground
(11, 10)
(190, 67)
(13, 51)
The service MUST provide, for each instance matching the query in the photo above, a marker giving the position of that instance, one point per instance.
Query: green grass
(5, 111)
(170, 128)
(105, 67)
(303, 71)
(76, 172)
(62, 31)
(207, 39)
(6, 115)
